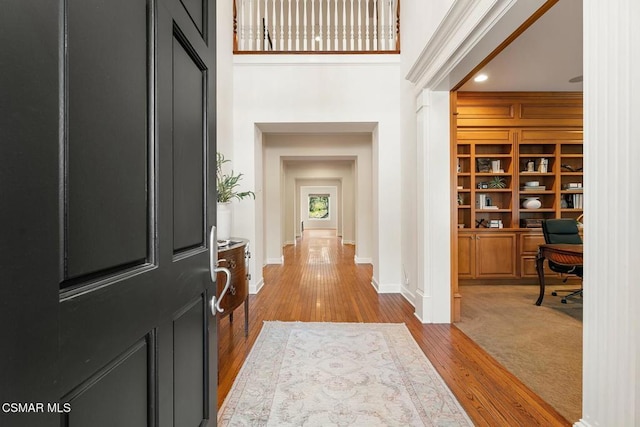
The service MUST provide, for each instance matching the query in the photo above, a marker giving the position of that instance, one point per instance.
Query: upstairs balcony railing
(316, 26)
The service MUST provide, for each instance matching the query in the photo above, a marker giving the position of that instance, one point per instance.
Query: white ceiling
(543, 58)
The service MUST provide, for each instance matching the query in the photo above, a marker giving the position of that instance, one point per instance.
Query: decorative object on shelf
(571, 168)
(543, 165)
(226, 186)
(483, 165)
(531, 165)
(495, 166)
(497, 182)
(532, 203)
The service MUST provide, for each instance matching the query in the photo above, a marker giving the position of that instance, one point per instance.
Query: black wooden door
(107, 122)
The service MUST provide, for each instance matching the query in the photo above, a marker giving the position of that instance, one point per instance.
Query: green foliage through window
(318, 206)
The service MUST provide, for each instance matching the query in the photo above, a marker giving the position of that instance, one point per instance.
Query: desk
(559, 253)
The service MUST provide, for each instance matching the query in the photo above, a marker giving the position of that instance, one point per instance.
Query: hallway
(319, 282)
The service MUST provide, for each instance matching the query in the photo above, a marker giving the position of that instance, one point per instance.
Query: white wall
(419, 20)
(332, 90)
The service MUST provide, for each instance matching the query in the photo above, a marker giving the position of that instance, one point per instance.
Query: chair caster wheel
(555, 294)
(564, 301)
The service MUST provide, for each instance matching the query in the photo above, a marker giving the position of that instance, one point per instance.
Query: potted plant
(227, 189)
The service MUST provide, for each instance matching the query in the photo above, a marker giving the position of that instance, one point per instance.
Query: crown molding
(465, 24)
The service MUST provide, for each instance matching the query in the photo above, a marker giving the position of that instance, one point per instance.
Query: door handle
(214, 269)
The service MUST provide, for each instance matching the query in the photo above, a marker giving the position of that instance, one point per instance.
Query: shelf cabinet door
(466, 256)
(496, 255)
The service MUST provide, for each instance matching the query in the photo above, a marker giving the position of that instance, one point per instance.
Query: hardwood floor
(319, 282)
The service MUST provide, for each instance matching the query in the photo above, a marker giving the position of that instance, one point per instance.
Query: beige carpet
(542, 346)
(339, 374)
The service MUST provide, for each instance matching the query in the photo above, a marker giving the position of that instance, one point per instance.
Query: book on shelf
(533, 188)
(574, 201)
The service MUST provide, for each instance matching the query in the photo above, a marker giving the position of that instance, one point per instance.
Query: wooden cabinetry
(511, 147)
(234, 256)
(487, 255)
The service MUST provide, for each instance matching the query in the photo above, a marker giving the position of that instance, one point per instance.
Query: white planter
(224, 221)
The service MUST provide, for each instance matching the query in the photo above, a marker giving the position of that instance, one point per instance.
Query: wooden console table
(559, 253)
(235, 256)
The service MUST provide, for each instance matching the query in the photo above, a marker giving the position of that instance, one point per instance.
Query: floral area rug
(339, 374)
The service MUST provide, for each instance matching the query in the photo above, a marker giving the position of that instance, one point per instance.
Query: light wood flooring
(319, 282)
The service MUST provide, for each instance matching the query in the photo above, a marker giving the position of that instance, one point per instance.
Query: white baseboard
(254, 288)
(348, 242)
(289, 242)
(408, 295)
(359, 260)
(385, 288)
(278, 261)
(582, 423)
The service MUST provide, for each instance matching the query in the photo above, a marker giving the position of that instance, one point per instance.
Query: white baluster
(391, 20)
(241, 25)
(344, 24)
(366, 27)
(304, 16)
(328, 26)
(297, 25)
(264, 24)
(336, 46)
(289, 7)
(375, 25)
(360, 24)
(383, 26)
(282, 25)
(250, 44)
(320, 23)
(313, 25)
(351, 39)
(273, 25)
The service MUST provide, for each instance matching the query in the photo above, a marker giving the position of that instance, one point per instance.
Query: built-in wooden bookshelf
(511, 147)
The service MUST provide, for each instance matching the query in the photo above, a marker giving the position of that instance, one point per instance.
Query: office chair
(563, 230)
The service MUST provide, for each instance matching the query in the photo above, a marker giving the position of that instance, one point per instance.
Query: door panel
(126, 384)
(107, 142)
(189, 101)
(196, 10)
(189, 347)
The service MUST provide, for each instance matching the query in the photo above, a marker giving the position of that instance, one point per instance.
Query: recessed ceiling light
(480, 78)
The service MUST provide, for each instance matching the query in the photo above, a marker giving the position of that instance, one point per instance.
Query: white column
(433, 293)
(611, 363)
